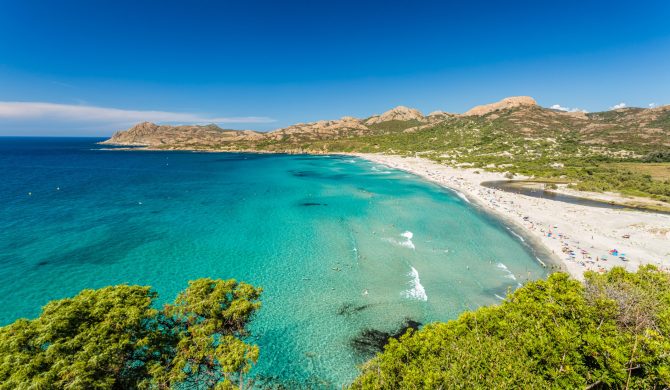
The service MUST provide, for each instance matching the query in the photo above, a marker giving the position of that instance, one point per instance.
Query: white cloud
(82, 113)
(567, 109)
(653, 105)
(617, 106)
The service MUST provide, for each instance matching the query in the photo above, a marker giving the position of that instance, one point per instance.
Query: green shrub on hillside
(610, 332)
(658, 156)
(622, 180)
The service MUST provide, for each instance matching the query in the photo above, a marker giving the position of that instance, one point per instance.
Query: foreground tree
(113, 338)
(613, 331)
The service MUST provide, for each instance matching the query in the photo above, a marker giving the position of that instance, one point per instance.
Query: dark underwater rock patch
(318, 175)
(304, 173)
(107, 250)
(371, 341)
(348, 309)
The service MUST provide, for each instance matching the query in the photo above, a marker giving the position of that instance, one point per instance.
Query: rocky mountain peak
(506, 103)
(400, 113)
(439, 113)
(144, 126)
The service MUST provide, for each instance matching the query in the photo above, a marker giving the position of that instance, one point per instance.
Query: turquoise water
(339, 244)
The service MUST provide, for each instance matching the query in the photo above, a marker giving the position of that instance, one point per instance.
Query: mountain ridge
(520, 115)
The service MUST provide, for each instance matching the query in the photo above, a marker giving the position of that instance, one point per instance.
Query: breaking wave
(408, 240)
(515, 234)
(508, 273)
(462, 196)
(416, 290)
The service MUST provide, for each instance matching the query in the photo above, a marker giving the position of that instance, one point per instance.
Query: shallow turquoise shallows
(339, 244)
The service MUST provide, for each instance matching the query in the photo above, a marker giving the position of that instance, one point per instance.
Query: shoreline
(549, 260)
(576, 237)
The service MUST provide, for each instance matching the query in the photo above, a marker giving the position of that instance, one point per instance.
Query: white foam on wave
(380, 171)
(499, 297)
(462, 196)
(416, 290)
(408, 240)
(509, 275)
(515, 234)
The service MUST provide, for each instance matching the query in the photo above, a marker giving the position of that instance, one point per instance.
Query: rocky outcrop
(153, 135)
(321, 128)
(439, 114)
(507, 103)
(400, 113)
(136, 135)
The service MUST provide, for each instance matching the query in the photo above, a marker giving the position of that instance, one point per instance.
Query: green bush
(610, 332)
(658, 156)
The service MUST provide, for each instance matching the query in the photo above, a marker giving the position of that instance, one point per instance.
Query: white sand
(589, 232)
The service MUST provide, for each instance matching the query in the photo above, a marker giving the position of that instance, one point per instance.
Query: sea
(345, 250)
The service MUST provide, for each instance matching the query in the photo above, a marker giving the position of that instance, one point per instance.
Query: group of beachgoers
(571, 250)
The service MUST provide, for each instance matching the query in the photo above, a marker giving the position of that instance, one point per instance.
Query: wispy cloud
(84, 113)
(567, 109)
(617, 106)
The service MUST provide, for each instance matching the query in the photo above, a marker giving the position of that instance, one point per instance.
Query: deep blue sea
(338, 244)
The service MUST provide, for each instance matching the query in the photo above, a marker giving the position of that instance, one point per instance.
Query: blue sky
(92, 67)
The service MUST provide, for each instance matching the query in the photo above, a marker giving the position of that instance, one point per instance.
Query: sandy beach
(580, 237)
